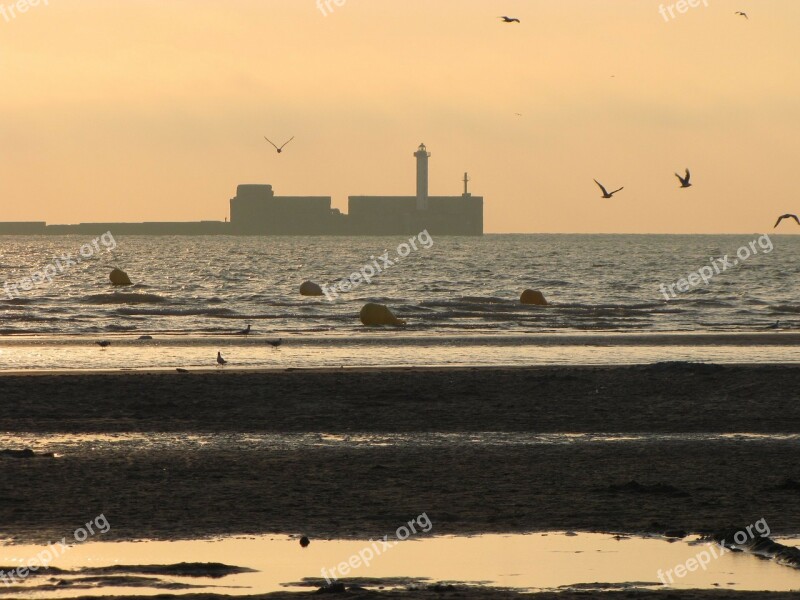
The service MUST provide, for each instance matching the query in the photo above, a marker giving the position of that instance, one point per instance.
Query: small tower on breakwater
(422, 156)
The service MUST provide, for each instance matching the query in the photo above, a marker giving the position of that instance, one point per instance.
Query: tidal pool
(535, 562)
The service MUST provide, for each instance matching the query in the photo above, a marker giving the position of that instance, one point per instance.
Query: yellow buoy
(119, 277)
(378, 314)
(309, 288)
(533, 297)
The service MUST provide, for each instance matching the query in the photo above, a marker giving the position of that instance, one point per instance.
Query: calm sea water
(456, 289)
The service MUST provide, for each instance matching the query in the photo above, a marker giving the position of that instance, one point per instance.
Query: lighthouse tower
(422, 156)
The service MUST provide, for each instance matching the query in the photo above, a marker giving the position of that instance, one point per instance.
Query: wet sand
(495, 594)
(682, 483)
(668, 397)
(347, 491)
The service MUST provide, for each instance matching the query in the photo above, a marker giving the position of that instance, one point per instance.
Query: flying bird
(276, 343)
(786, 216)
(509, 19)
(244, 331)
(742, 14)
(685, 180)
(103, 344)
(220, 360)
(279, 149)
(606, 194)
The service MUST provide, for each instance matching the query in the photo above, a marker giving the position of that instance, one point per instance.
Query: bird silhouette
(786, 216)
(606, 194)
(220, 360)
(103, 344)
(777, 325)
(304, 541)
(742, 14)
(509, 19)
(276, 343)
(685, 180)
(279, 149)
(244, 331)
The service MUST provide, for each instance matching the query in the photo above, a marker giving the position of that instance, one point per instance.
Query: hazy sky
(136, 110)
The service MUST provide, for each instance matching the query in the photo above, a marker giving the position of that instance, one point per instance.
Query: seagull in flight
(279, 149)
(786, 216)
(220, 360)
(685, 180)
(509, 19)
(276, 343)
(742, 14)
(606, 194)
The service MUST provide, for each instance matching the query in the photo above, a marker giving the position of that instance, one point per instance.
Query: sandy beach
(682, 483)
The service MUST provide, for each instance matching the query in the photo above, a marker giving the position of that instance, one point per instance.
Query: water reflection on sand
(538, 561)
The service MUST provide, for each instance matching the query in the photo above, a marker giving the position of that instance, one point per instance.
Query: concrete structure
(422, 156)
(256, 210)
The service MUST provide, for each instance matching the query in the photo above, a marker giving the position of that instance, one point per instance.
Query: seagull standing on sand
(104, 344)
(276, 147)
(786, 216)
(777, 325)
(244, 331)
(509, 19)
(685, 180)
(276, 343)
(606, 194)
(220, 360)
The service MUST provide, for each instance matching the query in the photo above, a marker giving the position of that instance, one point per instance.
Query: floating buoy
(378, 314)
(119, 277)
(309, 288)
(533, 297)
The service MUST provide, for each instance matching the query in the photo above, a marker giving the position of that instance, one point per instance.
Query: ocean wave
(785, 309)
(16, 301)
(177, 312)
(124, 298)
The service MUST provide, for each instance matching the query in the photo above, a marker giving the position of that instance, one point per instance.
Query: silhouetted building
(256, 210)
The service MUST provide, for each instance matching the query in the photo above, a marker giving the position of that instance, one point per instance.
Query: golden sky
(143, 110)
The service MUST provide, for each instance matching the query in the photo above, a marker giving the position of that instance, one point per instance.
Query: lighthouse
(422, 156)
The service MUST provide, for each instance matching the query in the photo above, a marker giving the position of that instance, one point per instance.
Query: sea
(612, 299)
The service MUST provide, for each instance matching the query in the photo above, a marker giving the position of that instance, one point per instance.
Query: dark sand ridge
(671, 397)
(490, 594)
(344, 491)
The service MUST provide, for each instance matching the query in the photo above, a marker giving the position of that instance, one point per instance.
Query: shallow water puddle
(531, 561)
